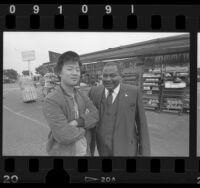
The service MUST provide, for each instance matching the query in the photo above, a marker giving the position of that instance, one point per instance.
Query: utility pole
(28, 56)
(29, 68)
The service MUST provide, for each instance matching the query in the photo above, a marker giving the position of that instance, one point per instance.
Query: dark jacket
(58, 112)
(130, 137)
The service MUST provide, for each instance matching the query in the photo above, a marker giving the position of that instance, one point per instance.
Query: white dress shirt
(114, 94)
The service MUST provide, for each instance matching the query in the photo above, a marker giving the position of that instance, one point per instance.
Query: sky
(14, 43)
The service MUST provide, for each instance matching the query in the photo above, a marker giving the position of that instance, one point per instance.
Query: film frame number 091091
(84, 9)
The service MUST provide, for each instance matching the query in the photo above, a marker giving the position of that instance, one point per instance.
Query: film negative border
(126, 18)
(100, 17)
(99, 170)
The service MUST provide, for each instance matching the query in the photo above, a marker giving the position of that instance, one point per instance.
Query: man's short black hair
(67, 57)
(113, 63)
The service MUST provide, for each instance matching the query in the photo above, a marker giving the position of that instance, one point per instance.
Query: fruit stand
(51, 80)
(29, 93)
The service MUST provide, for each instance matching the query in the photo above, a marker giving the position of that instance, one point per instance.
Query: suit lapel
(122, 100)
(100, 101)
(99, 96)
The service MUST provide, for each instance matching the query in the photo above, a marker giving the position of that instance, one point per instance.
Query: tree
(10, 73)
(41, 70)
(25, 72)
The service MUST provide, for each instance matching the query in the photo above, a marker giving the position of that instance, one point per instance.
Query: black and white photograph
(198, 96)
(97, 94)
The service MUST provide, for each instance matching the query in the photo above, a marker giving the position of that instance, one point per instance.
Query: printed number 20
(10, 179)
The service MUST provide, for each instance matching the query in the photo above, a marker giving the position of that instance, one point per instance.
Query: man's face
(70, 73)
(111, 77)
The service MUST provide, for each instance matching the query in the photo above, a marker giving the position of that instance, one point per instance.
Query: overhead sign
(53, 57)
(28, 55)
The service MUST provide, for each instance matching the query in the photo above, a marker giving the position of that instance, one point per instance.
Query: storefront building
(160, 67)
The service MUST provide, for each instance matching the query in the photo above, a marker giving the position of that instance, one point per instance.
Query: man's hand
(73, 123)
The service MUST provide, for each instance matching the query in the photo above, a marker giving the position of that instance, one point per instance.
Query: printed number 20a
(108, 179)
(10, 179)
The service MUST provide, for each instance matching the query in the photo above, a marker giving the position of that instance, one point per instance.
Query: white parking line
(25, 117)
(37, 107)
(20, 112)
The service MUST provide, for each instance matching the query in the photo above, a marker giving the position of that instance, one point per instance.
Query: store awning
(157, 47)
(168, 45)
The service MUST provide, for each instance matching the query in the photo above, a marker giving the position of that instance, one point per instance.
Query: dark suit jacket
(131, 137)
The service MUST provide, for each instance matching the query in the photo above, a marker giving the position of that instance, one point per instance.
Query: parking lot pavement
(169, 134)
(25, 129)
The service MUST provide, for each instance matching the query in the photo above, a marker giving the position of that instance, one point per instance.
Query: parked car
(8, 80)
(12, 81)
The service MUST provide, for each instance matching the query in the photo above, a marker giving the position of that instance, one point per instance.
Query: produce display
(166, 88)
(171, 84)
(130, 78)
(151, 75)
(151, 88)
(173, 103)
(51, 80)
(151, 102)
(29, 93)
(175, 84)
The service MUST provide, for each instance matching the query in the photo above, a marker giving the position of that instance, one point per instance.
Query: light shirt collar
(114, 94)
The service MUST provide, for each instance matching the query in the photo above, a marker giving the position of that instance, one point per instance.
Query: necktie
(109, 97)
